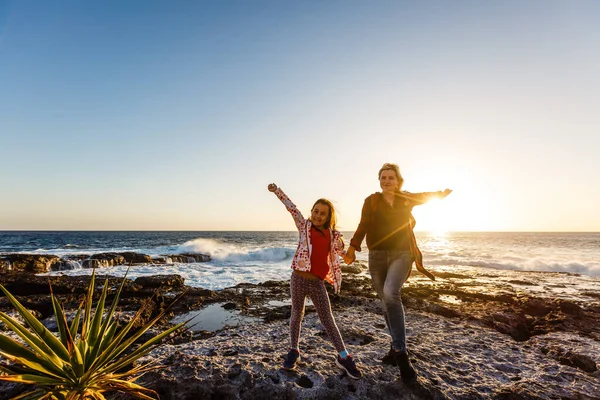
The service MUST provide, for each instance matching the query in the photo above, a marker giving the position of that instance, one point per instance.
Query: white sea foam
(547, 252)
(70, 265)
(233, 253)
(205, 275)
(554, 263)
(231, 263)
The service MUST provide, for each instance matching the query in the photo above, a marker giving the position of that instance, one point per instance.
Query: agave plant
(77, 363)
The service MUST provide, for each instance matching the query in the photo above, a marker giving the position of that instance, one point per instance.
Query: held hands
(350, 257)
(272, 187)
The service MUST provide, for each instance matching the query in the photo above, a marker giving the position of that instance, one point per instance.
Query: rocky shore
(40, 263)
(481, 334)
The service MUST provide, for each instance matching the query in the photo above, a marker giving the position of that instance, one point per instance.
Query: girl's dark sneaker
(290, 360)
(348, 365)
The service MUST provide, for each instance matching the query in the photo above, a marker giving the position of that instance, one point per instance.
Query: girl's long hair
(331, 219)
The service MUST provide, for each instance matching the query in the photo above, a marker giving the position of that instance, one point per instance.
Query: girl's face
(388, 181)
(319, 215)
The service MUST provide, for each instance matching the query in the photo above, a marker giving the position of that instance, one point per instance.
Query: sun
(434, 216)
(460, 211)
(467, 208)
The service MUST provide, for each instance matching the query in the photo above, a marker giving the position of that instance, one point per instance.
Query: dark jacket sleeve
(416, 199)
(363, 226)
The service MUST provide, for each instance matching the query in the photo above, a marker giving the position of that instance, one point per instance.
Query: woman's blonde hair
(331, 218)
(392, 167)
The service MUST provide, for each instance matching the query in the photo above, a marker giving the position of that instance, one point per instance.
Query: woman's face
(388, 181)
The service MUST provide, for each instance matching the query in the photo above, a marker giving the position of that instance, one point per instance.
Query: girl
(316, 260)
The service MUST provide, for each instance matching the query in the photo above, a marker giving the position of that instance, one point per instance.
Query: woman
(388, 223)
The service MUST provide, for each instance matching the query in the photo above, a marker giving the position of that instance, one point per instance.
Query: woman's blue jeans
(389, 270)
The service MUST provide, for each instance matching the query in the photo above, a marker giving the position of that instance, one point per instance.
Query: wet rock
(34, 263)
(417, 292)
(521, 282)
(24, 284)
(569, 307)
(199, 257)
(570, 358)
(515, 325)
(590, 293)
(103, 260)
(355, 268)
(5, 266)
(536, 307)
(506, 298)
(449, 275)
(187, 258)
(158, 281)
(358, 337)
(71, 261)
(305, 382)
(10, 390)
(521, 391)
(278, 313)
(442, 310)
(14, 315)
(200, 292)
(179, 258)
(235, 371)
(136, 258)
(272, 283)
(351, 269)
(91, 263)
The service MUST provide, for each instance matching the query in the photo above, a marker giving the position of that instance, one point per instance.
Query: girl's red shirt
(321, 242)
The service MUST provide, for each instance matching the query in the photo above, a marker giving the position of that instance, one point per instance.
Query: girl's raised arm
(291, 207)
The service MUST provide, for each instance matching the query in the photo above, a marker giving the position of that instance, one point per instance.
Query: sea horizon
(291, 230)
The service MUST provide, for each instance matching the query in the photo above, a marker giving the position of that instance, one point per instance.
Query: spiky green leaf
(88, 308)
(36, 364)
(37, 327)
(141, 350)
(95, 327)
(75, 323)
(36, 344)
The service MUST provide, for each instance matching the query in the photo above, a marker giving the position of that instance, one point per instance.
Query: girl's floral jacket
(301, 261)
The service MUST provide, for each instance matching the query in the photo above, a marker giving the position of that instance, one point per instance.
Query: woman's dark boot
(407, 371)
(390, 357)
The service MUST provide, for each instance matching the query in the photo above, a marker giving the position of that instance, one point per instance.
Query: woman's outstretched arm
(421, 198)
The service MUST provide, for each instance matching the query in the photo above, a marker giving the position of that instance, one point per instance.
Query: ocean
(255, 257)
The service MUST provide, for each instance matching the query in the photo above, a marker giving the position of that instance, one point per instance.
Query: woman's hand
(445, 193)
(350, 257)
(272, 187)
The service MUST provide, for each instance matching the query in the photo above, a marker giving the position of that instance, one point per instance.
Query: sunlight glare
(434, 217)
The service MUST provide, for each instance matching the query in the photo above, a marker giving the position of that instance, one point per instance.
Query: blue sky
(176, 115)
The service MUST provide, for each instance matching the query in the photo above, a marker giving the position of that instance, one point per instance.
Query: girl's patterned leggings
(301, 287)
